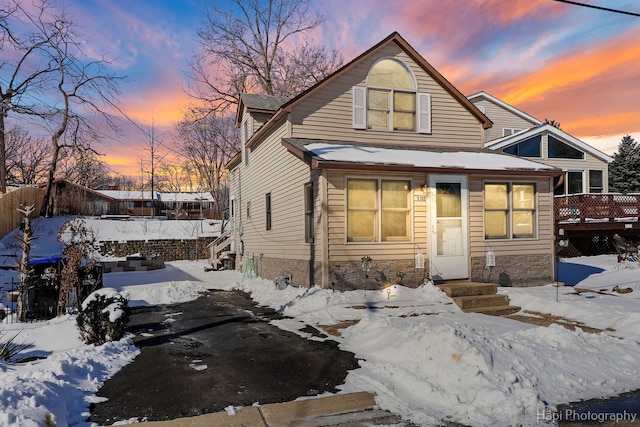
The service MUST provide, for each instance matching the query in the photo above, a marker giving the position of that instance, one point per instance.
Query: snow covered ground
(423, 357)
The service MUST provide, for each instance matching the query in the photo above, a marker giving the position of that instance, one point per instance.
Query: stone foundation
(269, 268)
(514, 270)
(349, 275)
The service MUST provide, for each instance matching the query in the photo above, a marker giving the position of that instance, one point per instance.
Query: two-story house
(381, 167)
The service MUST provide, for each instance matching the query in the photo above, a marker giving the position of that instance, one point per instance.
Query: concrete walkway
(352, 409)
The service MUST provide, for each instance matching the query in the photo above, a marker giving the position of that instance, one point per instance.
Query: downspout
(324, 209)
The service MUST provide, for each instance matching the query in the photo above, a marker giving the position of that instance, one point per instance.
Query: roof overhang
(335, 155)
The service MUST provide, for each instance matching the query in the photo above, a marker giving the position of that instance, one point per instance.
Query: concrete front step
(460, 289)
(481, 301)
(504, 310)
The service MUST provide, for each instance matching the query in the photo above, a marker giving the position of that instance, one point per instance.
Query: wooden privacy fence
(11, 201)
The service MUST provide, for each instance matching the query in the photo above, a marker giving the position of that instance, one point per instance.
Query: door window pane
(449, 237)
(448, 199)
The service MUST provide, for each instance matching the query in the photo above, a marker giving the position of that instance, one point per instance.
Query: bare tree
(26, 157)
(258, 46)
(25, 269)
(175, 177)
(124, 182)
(84, 168)
(207, 144)
(150, 164)
(54, 81)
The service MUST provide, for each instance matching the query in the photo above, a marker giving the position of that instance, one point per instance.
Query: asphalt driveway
(219, 350)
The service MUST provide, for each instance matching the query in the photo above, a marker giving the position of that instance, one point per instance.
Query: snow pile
(428, 362)
(60, 387)
(423, 357)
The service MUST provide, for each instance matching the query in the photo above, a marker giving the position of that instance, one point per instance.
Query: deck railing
(605, 207)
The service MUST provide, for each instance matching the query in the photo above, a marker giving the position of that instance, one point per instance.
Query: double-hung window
(509, 210)
(390, 100)
(378, 210)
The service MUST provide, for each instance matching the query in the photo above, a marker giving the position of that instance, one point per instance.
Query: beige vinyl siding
(338, 248)
(541, 244)
(274, 170)
(501, 118)
(328, 114)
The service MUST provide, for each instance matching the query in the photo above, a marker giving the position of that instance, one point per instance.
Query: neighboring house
(171, 205)
(517, 133)
(186, 205)
(507, 119)
(384, 160)
(73, 199)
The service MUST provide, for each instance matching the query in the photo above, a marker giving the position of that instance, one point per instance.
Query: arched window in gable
(390, 100)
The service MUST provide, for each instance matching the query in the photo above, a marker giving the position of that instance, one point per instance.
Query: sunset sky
(576, 65)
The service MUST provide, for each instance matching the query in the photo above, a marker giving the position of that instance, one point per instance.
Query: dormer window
(390, 100)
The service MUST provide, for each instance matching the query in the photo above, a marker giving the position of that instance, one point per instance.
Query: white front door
(449, 249)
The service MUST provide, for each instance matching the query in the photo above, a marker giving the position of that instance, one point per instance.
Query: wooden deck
(610, 211)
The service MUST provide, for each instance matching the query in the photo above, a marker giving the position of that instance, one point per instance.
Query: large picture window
(509, 210)
(559, 150)
(528, 148)
(378, 210)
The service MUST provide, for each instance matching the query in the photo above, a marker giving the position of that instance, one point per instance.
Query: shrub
(103, 316)
(9, 349)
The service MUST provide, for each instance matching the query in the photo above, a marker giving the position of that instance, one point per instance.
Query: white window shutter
(424, 112)
(359, 107)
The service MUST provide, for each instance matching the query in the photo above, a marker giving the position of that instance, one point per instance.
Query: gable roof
(410, 51)
(487, 97)
(258, 103)
(506, 141)
(341, 155)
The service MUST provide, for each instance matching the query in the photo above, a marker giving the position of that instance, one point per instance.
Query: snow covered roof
(506, 141)
(165, 197)
(328, 154)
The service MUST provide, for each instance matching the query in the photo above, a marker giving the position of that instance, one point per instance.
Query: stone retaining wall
(169, 250)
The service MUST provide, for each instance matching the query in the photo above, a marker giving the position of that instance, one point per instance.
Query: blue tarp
(572, 274)
(47, 260)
